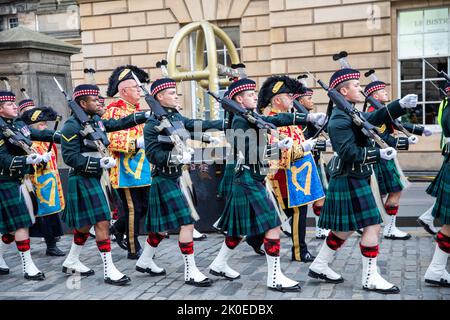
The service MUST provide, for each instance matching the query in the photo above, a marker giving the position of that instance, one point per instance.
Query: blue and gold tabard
(133, 168)
(303, 182)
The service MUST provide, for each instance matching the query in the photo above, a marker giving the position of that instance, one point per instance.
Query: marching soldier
(388, 176)
(16, 191)
(305, 98)
(168, 207)
(349, 204)
(47, 183)
(87, 202)
(249, 209)
(436, 273)
(131, 177)
(279, 104)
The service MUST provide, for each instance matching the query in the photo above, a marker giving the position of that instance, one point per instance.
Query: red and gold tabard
(278, 178)
(133, 169)
(47, 183)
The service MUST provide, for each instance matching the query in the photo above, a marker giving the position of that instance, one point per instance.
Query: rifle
(234, 107)
(94, 134)
(367, 128)
(16, 138)
(378, 105)
(55, 127)
(440, 73)
(175, 130)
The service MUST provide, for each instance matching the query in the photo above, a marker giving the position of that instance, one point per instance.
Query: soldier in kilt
(168, 208)
(436, 273)
(16, 193)
(87, 202)
(48, 222)
(305, 98)
(297, 214)
(349, 204)
(249, 210)
(388, 176)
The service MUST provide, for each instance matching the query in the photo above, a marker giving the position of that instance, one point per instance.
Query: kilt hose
(86, 202)
(349, 205)
(13, 209)
(135, 207)
(168, 209)
(248, 209)
(388, 177)
(441, 187)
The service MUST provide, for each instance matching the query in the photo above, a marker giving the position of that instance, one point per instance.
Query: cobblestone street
(403, 262)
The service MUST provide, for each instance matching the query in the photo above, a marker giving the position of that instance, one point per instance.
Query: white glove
(308, 145)
(107, 162)
(413, 140)
(388, 153)
(46, 157)
(427, 132)
(317, 118)
(34, 158)
(286, 143)
(147, 114)
(409, 101)
(140, 144)
(185, 158)
(214, 140)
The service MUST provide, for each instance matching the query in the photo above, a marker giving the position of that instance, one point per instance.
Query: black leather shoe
(392, 290)
(204, 283)
(134, 256)
(259, 251)
(426, 227)
(295, 288)
(119, 237)
(308, 257)
(322, 276)
(120, 282)
(4, 271)
(203, 237)
(150, 272)
(54, 252)
(37, 277)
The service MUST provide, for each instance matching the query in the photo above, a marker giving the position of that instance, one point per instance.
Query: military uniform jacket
(12, 158)
(161, 155)
(73, 144)
(354, 152)
(257, 151)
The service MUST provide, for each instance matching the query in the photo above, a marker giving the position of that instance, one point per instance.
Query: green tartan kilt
(441, 209)
(168, 208)
(248, 209)
(388, 177)
(435, 185)
(226, 182)
(13, 209)
(86, 202)
(349, 205)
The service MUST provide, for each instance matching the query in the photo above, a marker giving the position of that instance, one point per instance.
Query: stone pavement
(402, 262)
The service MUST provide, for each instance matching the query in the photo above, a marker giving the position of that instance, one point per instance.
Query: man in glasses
(131, 176)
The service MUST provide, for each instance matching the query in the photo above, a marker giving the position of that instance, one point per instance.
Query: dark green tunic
(248, 209)
(86, 201)
(13, 210)
(168, 208)
(349, 204)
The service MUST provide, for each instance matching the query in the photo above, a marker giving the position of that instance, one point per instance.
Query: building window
(2, 22)
(13, 22)
(423, 39)
(223, 58)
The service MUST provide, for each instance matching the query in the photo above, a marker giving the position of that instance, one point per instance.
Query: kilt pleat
(388, 177)
(349, 205)
(248, 209)
(168, 208)
(434, 186)
(86, 202)
(13, 209)
(441, 209)
(227, 180)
